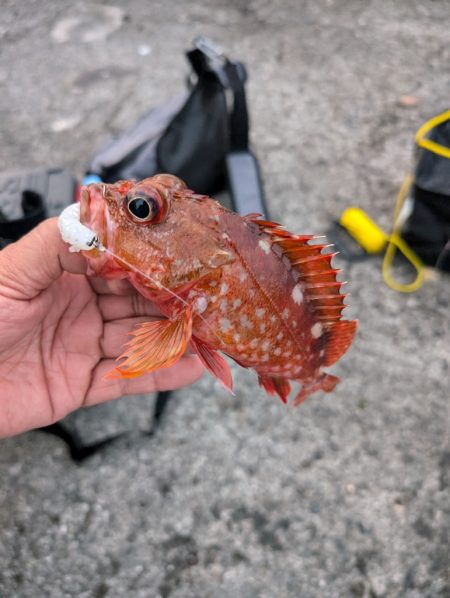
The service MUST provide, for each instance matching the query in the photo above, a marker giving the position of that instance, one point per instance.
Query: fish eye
(143, 208)
(146, 204)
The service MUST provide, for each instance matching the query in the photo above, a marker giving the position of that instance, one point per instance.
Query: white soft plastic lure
(78, 236)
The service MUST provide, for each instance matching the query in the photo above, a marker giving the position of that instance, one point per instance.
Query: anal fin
(156, 344)
(214, 362)
(275, 385)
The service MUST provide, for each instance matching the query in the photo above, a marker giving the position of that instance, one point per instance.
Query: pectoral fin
(156, 344)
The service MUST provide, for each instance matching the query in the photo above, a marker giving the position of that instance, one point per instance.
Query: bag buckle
(213, 52)
(215, 61)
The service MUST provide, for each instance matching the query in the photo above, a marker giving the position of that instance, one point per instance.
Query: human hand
(61, 331)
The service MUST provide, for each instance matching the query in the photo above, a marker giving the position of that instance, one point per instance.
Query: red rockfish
(228, 284)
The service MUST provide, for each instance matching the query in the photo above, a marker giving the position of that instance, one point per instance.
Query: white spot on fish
(243, 276)
(297, 294)
(225, 324)
(265, 357)
(260, 312)
(223, 305)
(285, 313)
(213, 298)
(264, 246)
(294, 324)
(253, 343)
(265, 345)
(280, 336)
(245, 322)
(273, 318)
(213, 283)
(223, 288)
(287, 353)
(262, 327)
(316, 330)
(201, 303)
(236, 303)
(240, 346)
(277, 351)
(237, 338)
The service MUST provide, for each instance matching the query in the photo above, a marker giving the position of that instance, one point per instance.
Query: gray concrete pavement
(242, 497)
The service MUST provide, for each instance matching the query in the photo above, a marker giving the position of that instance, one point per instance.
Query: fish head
(155, 227)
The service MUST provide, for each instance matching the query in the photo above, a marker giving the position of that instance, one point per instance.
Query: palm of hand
(61, 333)
(50, 347)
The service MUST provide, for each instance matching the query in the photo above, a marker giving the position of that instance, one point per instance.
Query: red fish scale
(253, 311)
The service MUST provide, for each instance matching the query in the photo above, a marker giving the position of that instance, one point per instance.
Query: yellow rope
(395, 242)
(432, 146)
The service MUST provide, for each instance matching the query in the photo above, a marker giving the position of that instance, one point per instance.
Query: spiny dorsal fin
(314, 269)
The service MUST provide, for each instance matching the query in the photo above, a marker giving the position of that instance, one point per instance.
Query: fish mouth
(84, 206)
(92, 210)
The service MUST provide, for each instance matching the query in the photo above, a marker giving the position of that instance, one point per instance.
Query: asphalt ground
(242, 497)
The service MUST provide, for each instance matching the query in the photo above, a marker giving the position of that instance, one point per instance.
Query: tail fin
(326, 382)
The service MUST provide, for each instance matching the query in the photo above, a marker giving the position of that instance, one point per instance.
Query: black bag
(199, 136)
(427, 228)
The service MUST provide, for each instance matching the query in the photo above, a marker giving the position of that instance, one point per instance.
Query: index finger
(116, 307)
(112, 286)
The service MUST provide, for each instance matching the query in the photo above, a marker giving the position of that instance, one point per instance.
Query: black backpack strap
(79, 451)
(242, 168)
(239, 122)
(208, 60)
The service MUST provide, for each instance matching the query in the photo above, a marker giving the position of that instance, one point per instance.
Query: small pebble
(144, 50)
(407, 101)
(65, 123)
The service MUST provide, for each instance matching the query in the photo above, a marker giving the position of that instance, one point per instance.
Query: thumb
(33, 263)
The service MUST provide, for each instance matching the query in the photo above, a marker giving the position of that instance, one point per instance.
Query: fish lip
(85, 199)
(93, 210)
